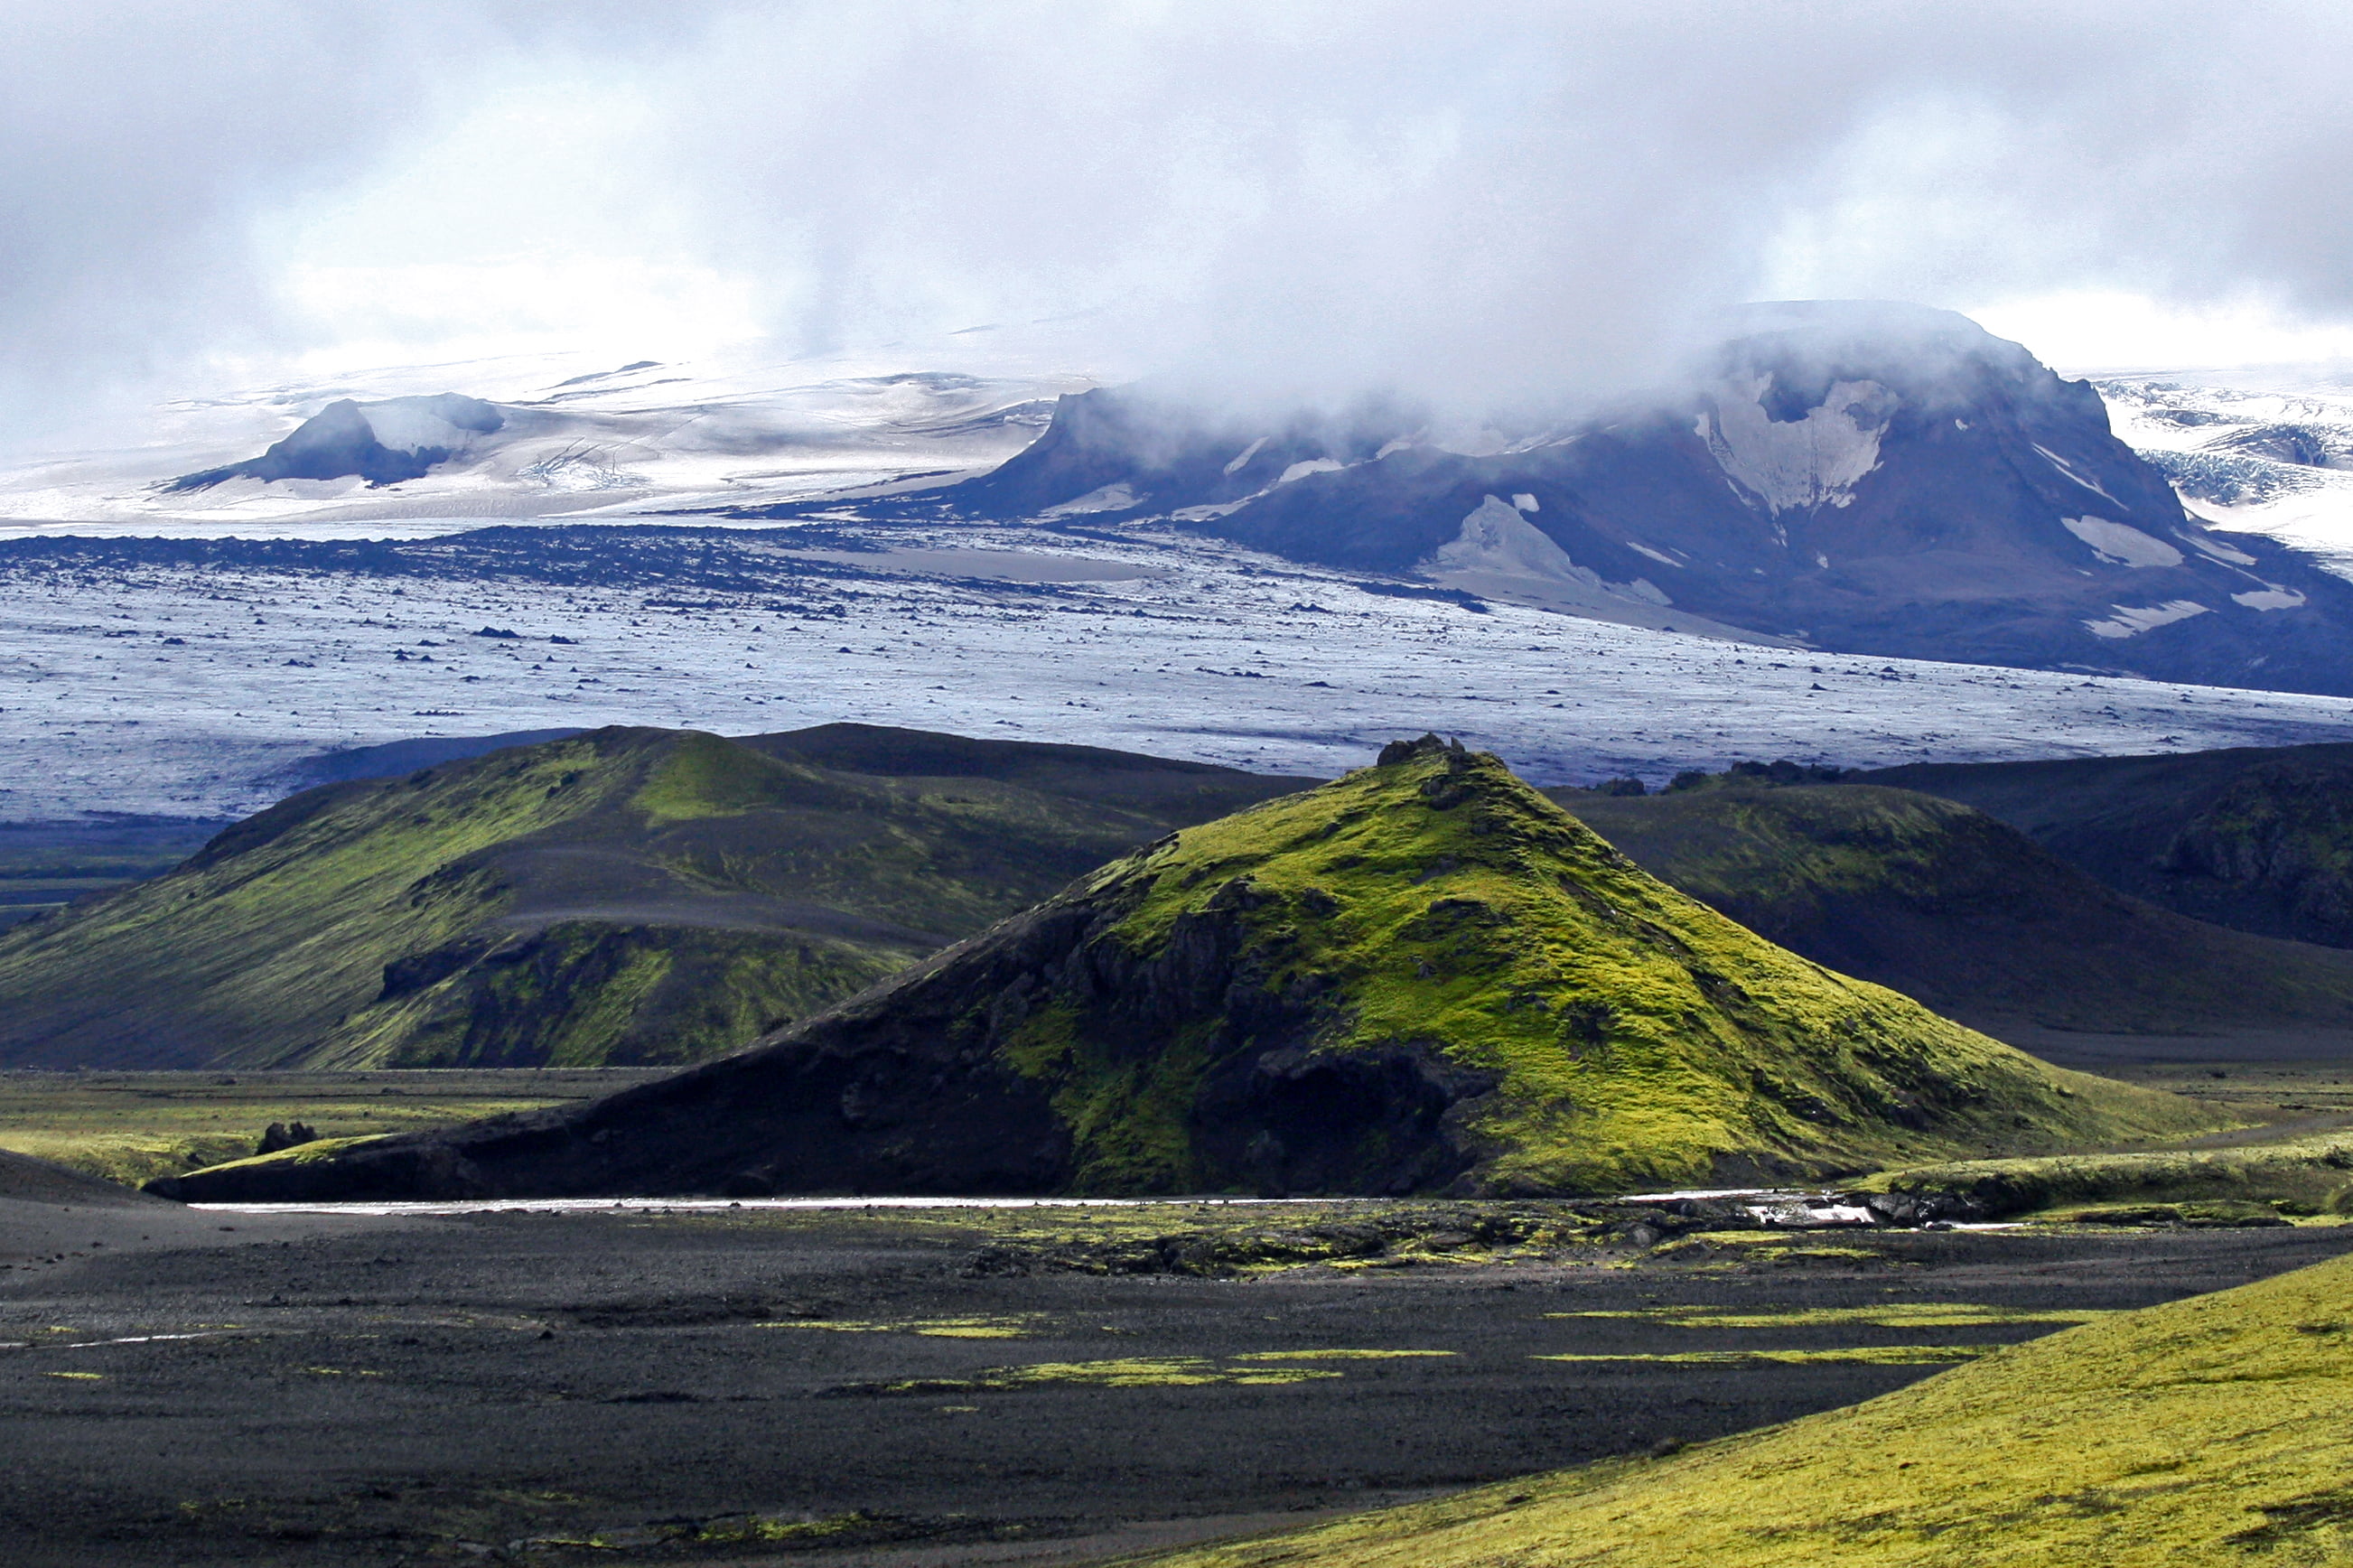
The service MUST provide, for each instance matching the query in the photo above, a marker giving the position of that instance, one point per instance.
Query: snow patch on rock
(2220, 551)
(1107, 498)
(2068, 471)
(2270, 598)
(2131, 620)
(2120, 544)
(1814, 461)
(1497, 541)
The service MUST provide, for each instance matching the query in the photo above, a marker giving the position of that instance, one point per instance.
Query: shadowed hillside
(1424, 976)
(625, 896)
(2256, 837)
(1967, 914)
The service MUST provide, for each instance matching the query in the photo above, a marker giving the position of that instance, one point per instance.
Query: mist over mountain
(383, 443)
(1866, 477)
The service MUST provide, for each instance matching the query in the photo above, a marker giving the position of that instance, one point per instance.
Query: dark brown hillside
(2260, 838)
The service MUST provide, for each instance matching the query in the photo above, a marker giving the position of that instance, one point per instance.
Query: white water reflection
(693, 1205)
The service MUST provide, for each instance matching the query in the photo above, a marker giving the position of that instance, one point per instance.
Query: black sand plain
(879, 1386)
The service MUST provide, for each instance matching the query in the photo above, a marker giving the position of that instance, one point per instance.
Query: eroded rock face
(2283, 830)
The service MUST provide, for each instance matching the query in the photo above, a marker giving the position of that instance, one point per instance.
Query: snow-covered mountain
(540, 435)
(195, 642)
(381, 443)
(1869, 477)
(2265, 450)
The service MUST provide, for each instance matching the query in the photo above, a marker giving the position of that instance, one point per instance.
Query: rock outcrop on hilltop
(1421, 977)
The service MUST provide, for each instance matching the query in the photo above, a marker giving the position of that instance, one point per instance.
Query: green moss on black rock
(1421, 977)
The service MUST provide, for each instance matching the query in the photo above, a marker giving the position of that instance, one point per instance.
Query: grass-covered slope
(2207, 1431)
(1942, 902)
(1422, 976)
(133, 1127)
(624, 895)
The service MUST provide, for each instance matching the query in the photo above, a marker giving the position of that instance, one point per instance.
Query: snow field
(131, 685)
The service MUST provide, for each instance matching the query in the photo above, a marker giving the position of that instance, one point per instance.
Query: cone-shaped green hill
(1422, 976)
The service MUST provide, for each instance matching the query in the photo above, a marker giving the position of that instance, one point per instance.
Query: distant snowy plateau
(565, 545)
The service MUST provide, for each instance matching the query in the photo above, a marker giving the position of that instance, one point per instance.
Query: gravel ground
(832, 1387)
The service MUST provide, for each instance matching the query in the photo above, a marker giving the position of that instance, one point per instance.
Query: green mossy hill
(622, 896)
(1423, 977)
(2208, 1431)
(1942, 902)
(2259, 838)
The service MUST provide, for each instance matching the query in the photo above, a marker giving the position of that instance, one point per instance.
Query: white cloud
(1481, 203)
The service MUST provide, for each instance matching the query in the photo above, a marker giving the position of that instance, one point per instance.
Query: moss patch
(1341, 1355)
(1881, 1355)
(1893, 1315)
(1129, 1371)
(2308, 1170)
(1012, 1327)
(133, 1127)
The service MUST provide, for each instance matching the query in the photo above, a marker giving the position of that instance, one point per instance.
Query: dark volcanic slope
(1862, 476)
(2256, 837)
(1423, 975)
(622, 896)
(1945, 904)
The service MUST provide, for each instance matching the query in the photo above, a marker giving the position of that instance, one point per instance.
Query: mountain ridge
(1857, 477)
(1970, 916)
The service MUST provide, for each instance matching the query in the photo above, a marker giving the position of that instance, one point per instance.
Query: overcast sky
(1458, 200)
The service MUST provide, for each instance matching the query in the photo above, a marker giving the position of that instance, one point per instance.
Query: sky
(1469, 203)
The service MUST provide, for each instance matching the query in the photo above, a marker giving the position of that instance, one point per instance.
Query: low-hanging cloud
(142, 140)
(1496, 201)
(1482, 203)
